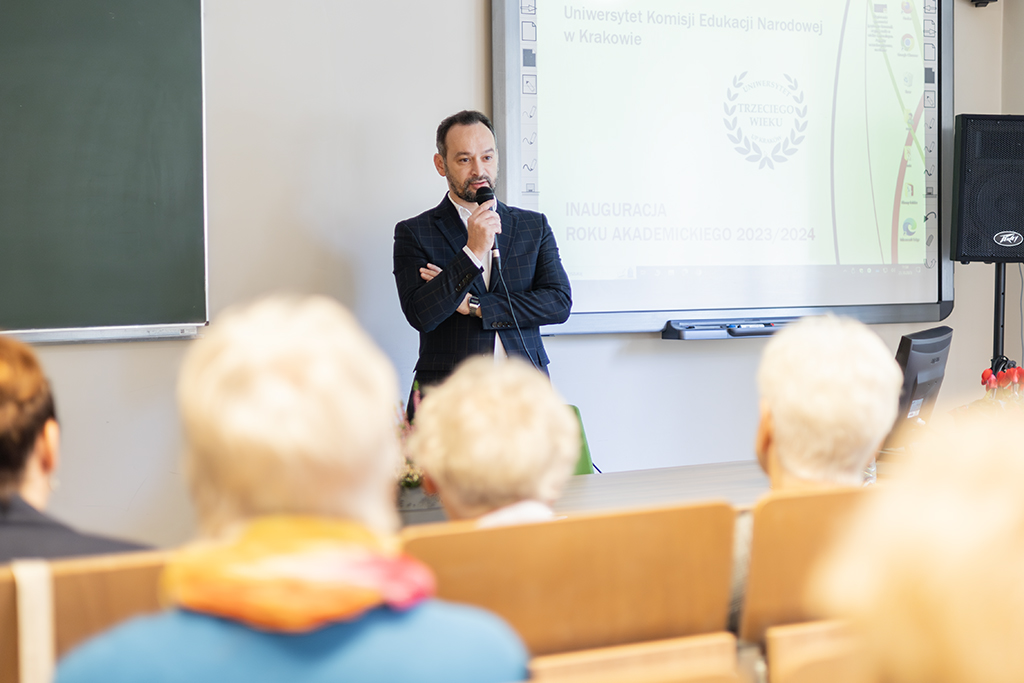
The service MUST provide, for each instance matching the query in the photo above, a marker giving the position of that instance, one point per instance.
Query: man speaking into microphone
(476, 276)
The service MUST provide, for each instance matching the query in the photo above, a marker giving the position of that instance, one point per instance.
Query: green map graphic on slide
(879, 169)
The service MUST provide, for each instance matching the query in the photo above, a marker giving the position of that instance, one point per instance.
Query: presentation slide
(743, 153)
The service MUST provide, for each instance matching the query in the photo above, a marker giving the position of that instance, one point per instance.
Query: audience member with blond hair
(496, 441)
(291, 452)
(829, 392)
(29, 457)
(930, 570)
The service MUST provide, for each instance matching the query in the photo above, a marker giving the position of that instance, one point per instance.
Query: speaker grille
(988, 189)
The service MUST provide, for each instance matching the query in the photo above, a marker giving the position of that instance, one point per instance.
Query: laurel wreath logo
(751, 150)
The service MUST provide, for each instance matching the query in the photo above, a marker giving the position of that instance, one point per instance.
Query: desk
(740, 483)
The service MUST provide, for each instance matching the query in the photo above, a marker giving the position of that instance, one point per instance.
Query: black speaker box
(988, 188)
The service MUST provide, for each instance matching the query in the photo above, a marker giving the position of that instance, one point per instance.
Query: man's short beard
(465, 193)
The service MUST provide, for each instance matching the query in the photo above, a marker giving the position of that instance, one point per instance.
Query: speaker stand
(999, 361)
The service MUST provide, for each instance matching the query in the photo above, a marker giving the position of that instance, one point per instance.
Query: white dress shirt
(523, 512)
(464, 214)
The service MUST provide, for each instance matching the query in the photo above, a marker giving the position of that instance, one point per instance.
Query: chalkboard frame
(507, 75)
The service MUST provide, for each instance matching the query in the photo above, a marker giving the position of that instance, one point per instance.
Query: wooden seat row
(637, 575)
(638, 595)
(89, 595)
(590, 581)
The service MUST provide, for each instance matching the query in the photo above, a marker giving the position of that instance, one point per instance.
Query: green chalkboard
(102, 219)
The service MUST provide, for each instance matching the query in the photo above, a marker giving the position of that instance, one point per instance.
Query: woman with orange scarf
(291, 457)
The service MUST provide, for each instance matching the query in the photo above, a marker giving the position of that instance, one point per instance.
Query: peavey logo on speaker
(1008, 238)
(765, 119)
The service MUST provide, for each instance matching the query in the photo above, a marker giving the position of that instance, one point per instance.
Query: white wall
(320, 122)
(1013, 103)
(1013, 58)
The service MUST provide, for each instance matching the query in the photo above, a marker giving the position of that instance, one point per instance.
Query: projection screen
(734, 161)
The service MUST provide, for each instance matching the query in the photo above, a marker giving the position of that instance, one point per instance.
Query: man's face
(472, 161)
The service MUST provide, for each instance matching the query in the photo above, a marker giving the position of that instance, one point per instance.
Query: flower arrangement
(409, 475)
(1004, 385)
(1003, 390)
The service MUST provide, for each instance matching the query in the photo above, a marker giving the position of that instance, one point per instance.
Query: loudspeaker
(988, 188)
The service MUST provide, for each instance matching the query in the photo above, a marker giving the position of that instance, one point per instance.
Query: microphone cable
(519, 330)
(486, 194)
(515, 321)
(496, 264)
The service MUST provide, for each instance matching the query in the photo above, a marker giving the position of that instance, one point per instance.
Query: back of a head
(931, 568)
(832, 388)
(288, 408)
(26, 403)
(495, 434)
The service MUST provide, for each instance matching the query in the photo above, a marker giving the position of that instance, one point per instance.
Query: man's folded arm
(427, 304)
(547, 302)
(532, 309)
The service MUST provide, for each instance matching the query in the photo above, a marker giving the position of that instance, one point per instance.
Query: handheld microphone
(486, 194)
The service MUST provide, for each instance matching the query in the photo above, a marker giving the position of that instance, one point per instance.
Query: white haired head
(829, 390)
(493, 435)
(288, 409)
(930, 569)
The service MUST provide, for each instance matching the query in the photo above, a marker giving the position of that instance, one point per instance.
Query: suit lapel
(447, 221)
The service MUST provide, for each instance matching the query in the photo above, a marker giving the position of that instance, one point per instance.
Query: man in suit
(450, 289)
(29, 455)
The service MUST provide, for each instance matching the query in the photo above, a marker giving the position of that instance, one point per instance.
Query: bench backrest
(675, 659)
(816, 651)
(590, 581)
(791, 532)
(90, 595)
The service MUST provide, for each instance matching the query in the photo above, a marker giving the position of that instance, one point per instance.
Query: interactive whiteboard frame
(507, 86)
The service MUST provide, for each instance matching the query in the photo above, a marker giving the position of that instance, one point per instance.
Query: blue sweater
(434, 641)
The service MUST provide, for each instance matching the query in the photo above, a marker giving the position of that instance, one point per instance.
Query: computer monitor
(922, 357)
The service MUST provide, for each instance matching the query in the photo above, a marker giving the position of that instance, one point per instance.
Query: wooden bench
(590, 581)
(90, 595)
(704, 658)
(813, 652)
(791, 531)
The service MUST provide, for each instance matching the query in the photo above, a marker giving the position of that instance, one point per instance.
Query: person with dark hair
(29, 455)
(466, 117)
(461, 301)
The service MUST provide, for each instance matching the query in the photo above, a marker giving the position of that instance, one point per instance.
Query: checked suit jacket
(531, 270)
